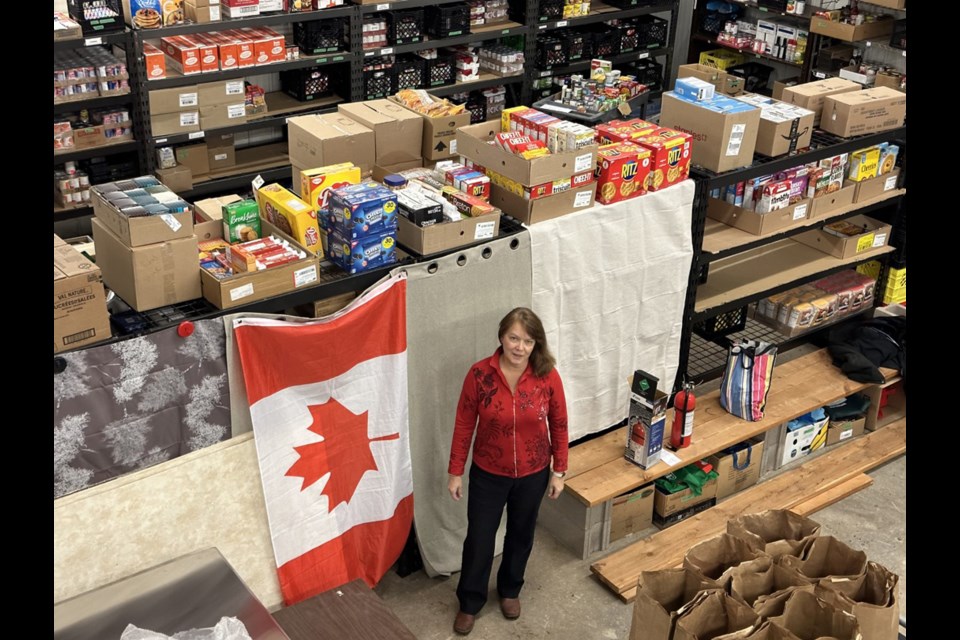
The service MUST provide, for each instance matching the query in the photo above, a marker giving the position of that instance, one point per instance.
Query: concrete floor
(562, 599)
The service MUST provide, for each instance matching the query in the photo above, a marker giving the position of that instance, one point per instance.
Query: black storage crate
(629, 37)
(652, 32)
(551, 10)
(440, 71)
(447, 20)
(307, 84)
(321, 36)
(377, 78)
(97, 16)
(551, 52)
(773, 5)
(409, 72)
(722, 325)
(405, 27)
(578, 45)
(648, 72)
(898, 39)
(606, 41)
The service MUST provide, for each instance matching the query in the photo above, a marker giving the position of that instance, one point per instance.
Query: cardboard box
(170, 124)
(891, 4)
(779, 86)
(362, 254)
(224, 115)
(179, 179)
(244, 288)
(844, 430)
(92, 137)
(221, 153)
(379, 172)
(533, 211)
(811, 95)
(645, 434)
(784, 127)
(243, 48)
(802, 441)
(758, 223)
(149, 276)
(876, 234)
(183, 54)
(724, 135)
(155, 62)
(321, 140)
(174, 100)
(860, 112)
(888, 80)
(849, 32)
(663, 522)
(397, 131)
(472, 144)
(827, 205)
(738, 466)
(631, 513)
(211, 94)
(723, 81)
(875, 187)
(228, 50)
(665, 504)
(144, 230)
(332, 304)
(209, 52)
(194, 156)
(445, 236)
(211, 209)
(202, 14)
(80, 314)
(440, 134)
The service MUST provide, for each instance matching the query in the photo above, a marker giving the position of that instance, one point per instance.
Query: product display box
(321, 140)
(148, 276)
(202, 14)
(860, 112)
(251, 286)
(440, 134)
(811, 95)
(95, 136)
(875, 187)
(724, 130)
(208, 217)
(784, 127)
(142, 230)
(622, 171)
(873, 235)
(361, 210)
(291, 215)
(852, 33)
(380, 171)
(738, 466)
(723, 81)
(362, 254)
(667, 504)
(155, 63)
(80, 314)
(170, 124)
(444, 236)
(316, 184)
(844, 430)
(830, 203)
(397, 131)
(211, 94)
(472, 143)
(631, 513)
(533, 211)
(758, 224)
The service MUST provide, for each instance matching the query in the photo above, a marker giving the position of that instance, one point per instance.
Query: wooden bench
(598, 473)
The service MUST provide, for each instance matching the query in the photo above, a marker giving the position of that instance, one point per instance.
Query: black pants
(487, 496)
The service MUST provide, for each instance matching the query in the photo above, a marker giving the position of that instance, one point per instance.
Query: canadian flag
(328, 400)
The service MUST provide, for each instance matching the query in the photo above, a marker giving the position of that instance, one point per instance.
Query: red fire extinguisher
(683, 405)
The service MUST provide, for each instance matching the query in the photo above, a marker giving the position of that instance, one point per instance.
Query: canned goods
(85, 195)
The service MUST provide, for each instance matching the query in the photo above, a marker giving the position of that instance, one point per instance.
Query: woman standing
(514, 402)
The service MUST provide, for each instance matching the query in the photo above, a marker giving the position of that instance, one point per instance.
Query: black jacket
(861, 349)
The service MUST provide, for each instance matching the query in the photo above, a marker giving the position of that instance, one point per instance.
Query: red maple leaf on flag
(344, 452)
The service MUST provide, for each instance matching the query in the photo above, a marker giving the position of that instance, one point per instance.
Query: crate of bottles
(409, 72)
(405, 27)
(447, 20)
(306, 84)
(321, 36)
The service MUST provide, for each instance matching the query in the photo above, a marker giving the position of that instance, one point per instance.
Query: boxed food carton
(79, 302)
(724, 131)
(861, 112)
(291, 215)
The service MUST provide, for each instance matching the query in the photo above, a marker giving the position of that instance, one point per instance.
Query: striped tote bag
(746, 378)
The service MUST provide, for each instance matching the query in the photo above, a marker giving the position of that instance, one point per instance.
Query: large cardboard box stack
(174, 111)
(222, 104)
(145, 243)
(397, 131)
(79, 302)
(784, 127)
(439, 141)
(811, 95)
(330, 139)
(860, 112)
(724, 130)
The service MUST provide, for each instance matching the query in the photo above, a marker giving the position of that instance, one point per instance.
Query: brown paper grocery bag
(713, 615)
(774, 604)
(810, 618)
(872, 598)
(828, 556)
(770, 631)
(715, 557)
(751, 580)
(661, 596)
(776, 532)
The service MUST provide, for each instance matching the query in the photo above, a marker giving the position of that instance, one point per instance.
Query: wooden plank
(752, 272)
(798, 386)
(718, 236)
(596, 452)
(665, 549)
(832, 496)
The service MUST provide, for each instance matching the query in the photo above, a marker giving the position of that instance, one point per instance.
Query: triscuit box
(724, 130)
(631, 513)
(811, 95)
(842, 430)
(79, 302)
(849, 237)
(447, 235)
(149, 276)
(784, 127)
(397, 131)
(738, 466)
(321, 140)
(860, 112)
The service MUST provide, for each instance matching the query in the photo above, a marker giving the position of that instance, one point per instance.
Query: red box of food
(478, 186)
(623, 169)
(184, 54)
(273, 43)
(246, 48)
(671, 157)
(227, 49)
(154, 61)
(624, 130)
(209, 52)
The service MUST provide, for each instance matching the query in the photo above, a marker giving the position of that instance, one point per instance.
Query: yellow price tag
(865, 242)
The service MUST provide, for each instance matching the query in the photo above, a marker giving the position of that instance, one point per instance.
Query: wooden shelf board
(277, 158)
(764, 268)
(489, 28)
(279, 103)
(718, 236)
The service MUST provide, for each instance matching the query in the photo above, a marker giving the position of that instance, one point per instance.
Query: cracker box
(624, 130)
(362, 210)
(670, 157)
(467, 204)
(418, 208)
(622, 172)
(241, 221)
(291, 215)
(475, 184)
(317, 184)
(362, 254)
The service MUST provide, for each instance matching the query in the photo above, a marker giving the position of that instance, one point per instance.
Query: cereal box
(622, 171)
(864, 164)
(241, 221)
(291, 215)
(363, 210)
(670, 159)
(775, 195)
(316, 185)
(355, 255)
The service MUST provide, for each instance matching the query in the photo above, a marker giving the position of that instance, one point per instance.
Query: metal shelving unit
(265, 20)
(59, 157)
(240, 181)
(744, 52)
(482, 34)
(232, 74)
(93, 103)
(486, 81)
(118, 37)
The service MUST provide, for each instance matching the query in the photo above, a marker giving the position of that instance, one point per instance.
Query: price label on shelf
(800, 212)
(368, 54)
(171, 222)
(383, 7)
(879, 240)
(582, 163)
(541, 27)
(645, 54)
(553, 107)
(257, 183)
(92, 42)
(582, 199)
(669, 457)
(160, 140)
(387, 51)
(891, 183)
(866, 242)
(869, 44)
(544, 74)
(819, 74)
(561, 23)
(505, 32)
(238, 293)
(195, 135)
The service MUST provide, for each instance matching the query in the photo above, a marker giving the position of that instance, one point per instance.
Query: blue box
(694, 89)
(362, 210)
(362, 254)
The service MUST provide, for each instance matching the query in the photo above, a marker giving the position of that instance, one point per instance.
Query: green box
(241, 221)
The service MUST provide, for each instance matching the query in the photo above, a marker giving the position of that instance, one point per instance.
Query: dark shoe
(510, 608)
(463, 624)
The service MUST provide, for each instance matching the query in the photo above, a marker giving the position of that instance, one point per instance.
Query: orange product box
(263, 45)
(184, 54)
(277, 44)
(477, 186)
(246, 48)
(154, 61)
(623, 169)
(227, 49)
(624, 130)
(670, 162)
(518, 117)
(209, 52)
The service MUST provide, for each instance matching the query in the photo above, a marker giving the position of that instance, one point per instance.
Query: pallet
(812, 485)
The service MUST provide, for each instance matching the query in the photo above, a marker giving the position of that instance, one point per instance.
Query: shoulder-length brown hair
(541, 360)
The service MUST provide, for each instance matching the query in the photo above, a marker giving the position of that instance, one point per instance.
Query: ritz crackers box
(670, 159)
(622, 171)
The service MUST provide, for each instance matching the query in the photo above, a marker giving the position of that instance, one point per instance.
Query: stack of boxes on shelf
(79, 301)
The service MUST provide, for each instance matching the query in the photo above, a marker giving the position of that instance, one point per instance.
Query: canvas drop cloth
(609, 284)
(453, 313)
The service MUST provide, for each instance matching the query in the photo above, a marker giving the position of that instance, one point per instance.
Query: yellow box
(315, 184)
(291, 215)
(864, 164)
(505, 117)
(721, 59)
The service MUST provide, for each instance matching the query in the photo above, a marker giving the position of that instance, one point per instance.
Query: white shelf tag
(304, 276)
(196, 134)
(92, 42)
(582, 199)
(800, 212)
(891, 183)
(484, 230)
(241, 292)
(171, 221)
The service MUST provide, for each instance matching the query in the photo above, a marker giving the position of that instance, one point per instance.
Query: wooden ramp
(813, 485)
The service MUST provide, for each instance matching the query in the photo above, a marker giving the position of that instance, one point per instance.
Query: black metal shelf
(93, 103)
(622, 58)
(106, 150)
(302, 63)
(240, 181)
(265, 20)
(447, 42)
(400, 5)
(745, 53)
(457, 87)
(822, 145)
(118, 37)
(60, 215)
(594, 17)
(801, 19)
